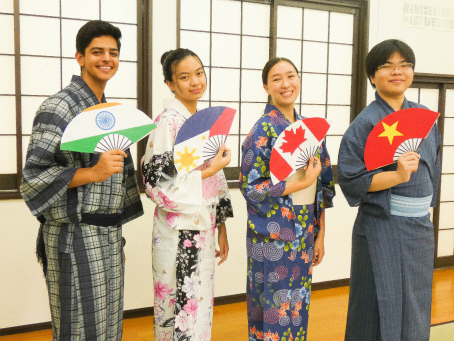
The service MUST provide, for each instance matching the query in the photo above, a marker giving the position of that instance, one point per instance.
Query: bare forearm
(384, 180)
(82, 177)
(295, 186)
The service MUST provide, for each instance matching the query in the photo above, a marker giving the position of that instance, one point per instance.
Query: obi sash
(410, 207)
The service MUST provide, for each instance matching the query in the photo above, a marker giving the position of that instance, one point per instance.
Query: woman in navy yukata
(282, 218)
(393, 237)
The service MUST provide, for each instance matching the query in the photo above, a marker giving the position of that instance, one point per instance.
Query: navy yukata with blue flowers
(280, 236)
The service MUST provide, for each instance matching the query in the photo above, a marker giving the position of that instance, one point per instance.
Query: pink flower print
(206, 333)
(200, 240)
(158, 315)
(156, 213)
(161, 290)
(190, 284)
(187, 243)
(166, 202)
(170, 217)
(183, 321)
(163, 336)
(191, 307)
(172, 302)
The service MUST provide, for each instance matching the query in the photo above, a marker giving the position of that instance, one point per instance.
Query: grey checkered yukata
(82, 230)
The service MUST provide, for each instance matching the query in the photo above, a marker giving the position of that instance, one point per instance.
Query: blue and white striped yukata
(393, 238)
(82, 229)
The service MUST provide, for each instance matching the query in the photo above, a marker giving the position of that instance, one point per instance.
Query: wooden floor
(327, 319)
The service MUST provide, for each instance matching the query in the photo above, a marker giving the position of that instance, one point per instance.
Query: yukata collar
(382, 102)
(269, 108)
(175, 104)
(81, 85)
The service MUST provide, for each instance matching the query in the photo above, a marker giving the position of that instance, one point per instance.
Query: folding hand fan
(398, 133)
(201, 136)
(105, 127)
(295, 145)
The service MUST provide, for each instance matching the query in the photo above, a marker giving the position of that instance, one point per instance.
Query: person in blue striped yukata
(392, 247)
(82, 200)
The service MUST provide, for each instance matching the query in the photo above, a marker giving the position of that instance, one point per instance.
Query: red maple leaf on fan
(293, 140)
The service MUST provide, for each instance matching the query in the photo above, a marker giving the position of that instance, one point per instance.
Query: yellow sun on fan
(186, 159)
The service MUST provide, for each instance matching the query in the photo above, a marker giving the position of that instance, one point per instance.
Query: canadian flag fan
(295, 145)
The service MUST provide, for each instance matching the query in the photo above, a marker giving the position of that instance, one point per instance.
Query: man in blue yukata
(82, 200)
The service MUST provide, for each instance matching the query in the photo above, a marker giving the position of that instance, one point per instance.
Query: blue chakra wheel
(105, 120)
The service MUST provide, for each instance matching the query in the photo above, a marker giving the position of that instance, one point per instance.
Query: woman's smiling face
(283, 84)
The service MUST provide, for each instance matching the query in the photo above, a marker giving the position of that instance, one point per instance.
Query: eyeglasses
(392, 67)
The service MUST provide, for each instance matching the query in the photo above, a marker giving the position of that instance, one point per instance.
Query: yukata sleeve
(168, 189)
(224, 208)
(353, 177)
(255, 179)
(132, 205)
(437, 167)
(46, 174)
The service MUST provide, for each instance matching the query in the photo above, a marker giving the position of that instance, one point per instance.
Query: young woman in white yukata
(188, 210)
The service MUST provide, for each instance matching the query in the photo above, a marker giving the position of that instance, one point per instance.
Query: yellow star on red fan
(390, 132)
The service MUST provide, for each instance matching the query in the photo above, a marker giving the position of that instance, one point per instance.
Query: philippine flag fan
(295, 145)
(201, 136)
(104, 127)
(398, 133)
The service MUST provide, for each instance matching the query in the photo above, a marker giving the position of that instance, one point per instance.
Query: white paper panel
(226, 16)
(69, 33)
(256, 19)
(446, 216)
(9, 163)
(449, 109)
(119, 11)
(339, 89)
(339, 119)
(225, 85)
(198, 42)
(202, 105)
(448, 160)
(313, 110)
(315, 25)
(446, 243)
(70, 68)
(289, 49)
(25, 143)
(29, 107)
(8, 116)
(34, 68)
(225, 50)
(447, 188)
(124, 83)
(80, 9)
(7, 36)
(7, 85)
(255, 52)
(448, 137)
(236, 121)
(315, 57)
(250, 113)
(333, 144)
(233, 144)
(289, 22)
(252, 87)
(195, 15)
(429, 97)
(44, 41)
(128, 49)
(7, 6)
(130, 102)
(313, 89)
(40, 7)
(340, 59)
(412, 94)
(341, 28)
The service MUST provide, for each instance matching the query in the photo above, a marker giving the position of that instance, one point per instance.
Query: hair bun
(164, 56)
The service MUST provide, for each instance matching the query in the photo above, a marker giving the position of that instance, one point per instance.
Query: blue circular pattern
(105, 120)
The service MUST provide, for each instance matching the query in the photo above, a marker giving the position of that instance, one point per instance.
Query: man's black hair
(95, 29)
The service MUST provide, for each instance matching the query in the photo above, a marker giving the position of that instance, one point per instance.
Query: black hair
(381, 52)
(269, 65)
(95, 29)
(172, 58)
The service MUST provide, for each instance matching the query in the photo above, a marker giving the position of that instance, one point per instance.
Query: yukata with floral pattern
(280, 236)
(188, 209)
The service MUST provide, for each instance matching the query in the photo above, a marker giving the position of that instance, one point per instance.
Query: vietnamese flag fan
(295, 146)
(398, 133)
